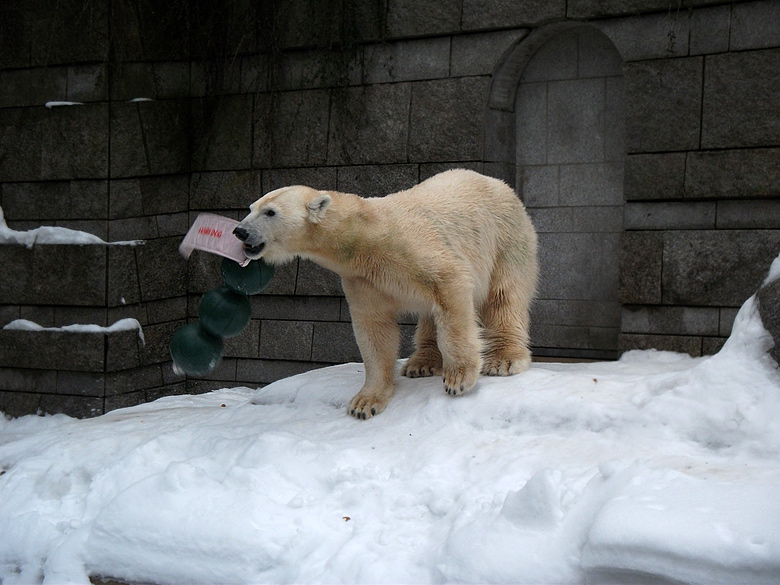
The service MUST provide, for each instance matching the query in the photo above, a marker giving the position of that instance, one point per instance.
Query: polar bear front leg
(378, 338)
(458, 340)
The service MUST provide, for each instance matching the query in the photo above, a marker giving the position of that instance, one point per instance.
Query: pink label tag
(214, 233)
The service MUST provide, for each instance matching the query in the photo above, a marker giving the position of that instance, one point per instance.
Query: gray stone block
(427, 170)
(677, 343)
(161, 272)
(739, 106)
(254, 73)
(595, 8)
(222, 133)
(8, 313)
(215, 77)
(124, 400)
(540, 185)
(75, 406)
(591, 184)
(377, 180)
(407, 61)
(576, 313)
(14, 42)
(296, 308)
(316, 178)
(32, 87)
(315, 280)
(15, 404)
(710, 28)
(81, 383)
(128, 381)
(173, 309)
(158, 339)
(663, 104)
(21, 380)
(52, 350)
(641, 268)
(261, 372)
(43, 316)
(500, 137)
(246, 344)
(575, 110)
(655, 36)
(174, 224)
(164, 194)
(768, 297)
(654, 176)
(578, 266)
(223, 189)
(670, 216)
(531, 112)
(755, 25)
(123, 286)
(447, 119)
(124, 198)
(727, 316)
(55, 200)
(286, 340)
(712, 345)
(477, 54)
(555, 60)
(670, 320)
(408, 18)
(123, 350)
(748, 214)
(79, 315)
(132, 228)
(370, 124)
(481, 14)
(716, 268)
(733, 174)
(149, 138)
(314, 69)
(291, 129)
(58, 143)
(334, 343)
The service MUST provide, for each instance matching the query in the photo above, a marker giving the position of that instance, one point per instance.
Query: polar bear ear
(317, 207)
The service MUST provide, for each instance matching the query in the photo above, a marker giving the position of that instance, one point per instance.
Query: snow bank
(121, 325)
(52, 235)
(655, 468)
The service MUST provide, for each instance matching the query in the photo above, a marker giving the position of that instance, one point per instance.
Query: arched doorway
(570, 129)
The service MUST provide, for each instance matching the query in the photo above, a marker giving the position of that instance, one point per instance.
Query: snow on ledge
(56, 104)
(121, 325)
(53, 235)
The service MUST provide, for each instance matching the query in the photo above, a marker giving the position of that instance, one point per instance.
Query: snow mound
(656, 468)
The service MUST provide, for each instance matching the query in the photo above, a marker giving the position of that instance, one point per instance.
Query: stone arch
(556, 126)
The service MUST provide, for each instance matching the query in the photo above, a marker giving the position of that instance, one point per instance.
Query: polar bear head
(279, 223)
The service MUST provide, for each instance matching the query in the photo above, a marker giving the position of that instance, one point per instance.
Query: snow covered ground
(657, 468)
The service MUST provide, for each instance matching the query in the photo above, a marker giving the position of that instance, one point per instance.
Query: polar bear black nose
(241, 233)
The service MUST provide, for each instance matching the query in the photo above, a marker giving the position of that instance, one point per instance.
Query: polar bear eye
(269, 213)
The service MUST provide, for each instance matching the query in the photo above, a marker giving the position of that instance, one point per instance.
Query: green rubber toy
(223, 312)
(248, 280)
(194, 350)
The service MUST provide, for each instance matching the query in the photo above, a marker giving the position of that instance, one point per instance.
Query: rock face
(769, 308)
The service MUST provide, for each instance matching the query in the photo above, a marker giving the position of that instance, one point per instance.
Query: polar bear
(459, 250)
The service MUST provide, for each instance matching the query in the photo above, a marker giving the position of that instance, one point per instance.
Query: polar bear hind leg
(505, 317)
(426, 359)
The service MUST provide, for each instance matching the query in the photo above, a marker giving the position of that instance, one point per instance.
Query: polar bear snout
(241, 233)
(253, 243)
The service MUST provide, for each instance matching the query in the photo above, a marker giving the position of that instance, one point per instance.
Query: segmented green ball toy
(223, 312)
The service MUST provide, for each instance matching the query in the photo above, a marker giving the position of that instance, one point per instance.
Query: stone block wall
(182, 112)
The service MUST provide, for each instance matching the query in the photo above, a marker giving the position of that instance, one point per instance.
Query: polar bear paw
(459, 380)
(422, 366)
(367, 405)
(504, 365)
